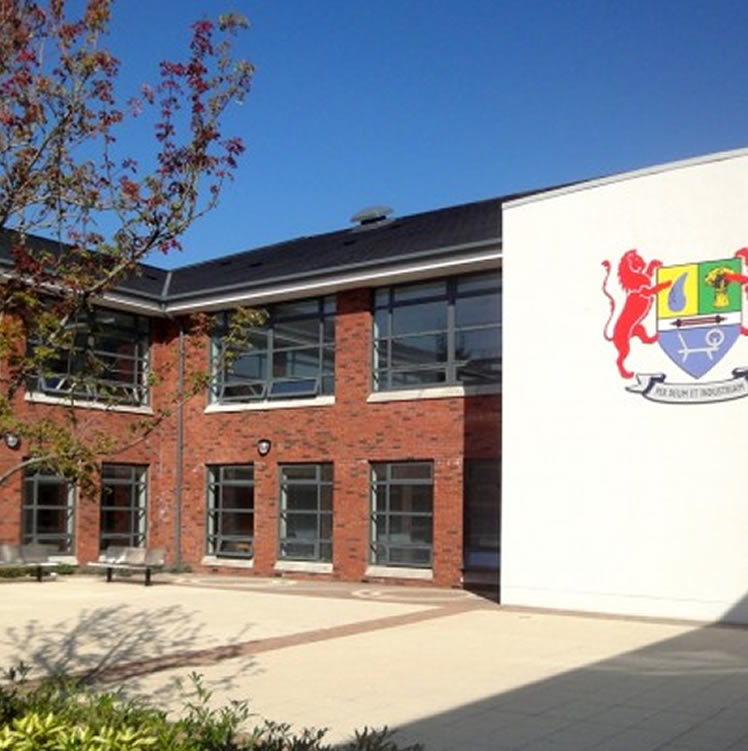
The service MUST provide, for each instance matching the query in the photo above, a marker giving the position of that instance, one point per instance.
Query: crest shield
(699, 315)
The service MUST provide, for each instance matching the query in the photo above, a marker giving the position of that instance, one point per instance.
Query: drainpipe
(178, 479)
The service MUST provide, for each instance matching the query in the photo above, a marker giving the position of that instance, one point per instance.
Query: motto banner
(654, 387)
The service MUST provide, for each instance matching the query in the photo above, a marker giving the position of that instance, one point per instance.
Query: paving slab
(444, 667)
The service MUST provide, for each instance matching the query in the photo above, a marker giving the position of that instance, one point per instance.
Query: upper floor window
(438, 333)
(291, 355)
(107, 360)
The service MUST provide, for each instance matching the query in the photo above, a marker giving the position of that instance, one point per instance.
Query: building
(363, 436)
(357, 438)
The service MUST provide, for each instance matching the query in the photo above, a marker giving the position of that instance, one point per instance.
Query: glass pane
(410, 556)
(325, 551)
(236, 524)
(325, 472)
(116, 522)
(299, 333)
(418, 291)
(116, 495)
(296, 549)
(479, 283)
(300, 363)
(428, 316)
(296, 308)
(234, 548)
(325, 526)
(238, 497)
(416, 378)
(301, 526)
(379, 532)
(379, 472)
(419, 350)
(51, 521)
(328, 330)
(411, 471)
(381, 318)
(251, 367)
(300, 498)
(238, 473)
(49, 494)
(305, 387)
(416, 498)
(471, 311)
(299, 472)
(328, 385)
(382, 297)
(481, 344)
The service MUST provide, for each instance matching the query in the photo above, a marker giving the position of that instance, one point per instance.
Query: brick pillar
(266, 515)
(448, 493)
(351, 518)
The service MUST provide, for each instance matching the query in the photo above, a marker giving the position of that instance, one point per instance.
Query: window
(482, 506)
(438, 333)
(231, 511)
(291, 355)
(123, 512)
(107, 362)
(48, 511)
(306, 512)
(402, 516)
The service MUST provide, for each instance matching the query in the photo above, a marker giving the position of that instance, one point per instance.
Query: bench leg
(147, 577)
(109, 574)
(38, 573)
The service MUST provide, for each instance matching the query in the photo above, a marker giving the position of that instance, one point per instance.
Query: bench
(116, 558)
(33, 557)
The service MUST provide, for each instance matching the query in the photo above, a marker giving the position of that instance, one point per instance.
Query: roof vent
(371, 216)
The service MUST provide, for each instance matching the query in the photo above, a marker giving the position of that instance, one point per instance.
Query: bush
(60, 714)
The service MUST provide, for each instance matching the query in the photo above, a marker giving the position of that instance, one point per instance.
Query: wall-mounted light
(263, 446)
(12, 440)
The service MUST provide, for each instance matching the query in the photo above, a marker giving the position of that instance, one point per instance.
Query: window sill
(400, 572)
(37, 398)
(441, 392)
(306, 567)
(215, 562)
(317, 401)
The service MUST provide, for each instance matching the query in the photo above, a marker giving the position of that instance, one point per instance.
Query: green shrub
(60, 714)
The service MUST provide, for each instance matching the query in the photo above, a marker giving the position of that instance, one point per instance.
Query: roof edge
(718, 156)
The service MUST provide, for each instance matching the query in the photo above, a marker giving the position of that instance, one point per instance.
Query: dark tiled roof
(149, 282)
(398, 238)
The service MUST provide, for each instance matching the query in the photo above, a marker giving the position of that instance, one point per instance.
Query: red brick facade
(350, 433)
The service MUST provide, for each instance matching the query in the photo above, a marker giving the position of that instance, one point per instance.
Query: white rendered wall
(613, 503)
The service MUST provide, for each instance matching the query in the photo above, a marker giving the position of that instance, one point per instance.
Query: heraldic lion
(636, 280)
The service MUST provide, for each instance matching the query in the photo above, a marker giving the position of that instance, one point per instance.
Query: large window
(482, 513)
(291, 355)
(123, 511)
(231, 511)
(402, 515)
(48, 511)
(438, 333)
(107, 362)
(306, 512)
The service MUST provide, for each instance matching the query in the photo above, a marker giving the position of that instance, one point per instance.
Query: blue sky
(418, 104)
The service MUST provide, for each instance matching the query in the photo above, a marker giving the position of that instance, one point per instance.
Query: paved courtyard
(445, 667)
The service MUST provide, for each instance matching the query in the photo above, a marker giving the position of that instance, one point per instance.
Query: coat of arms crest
(698, 311)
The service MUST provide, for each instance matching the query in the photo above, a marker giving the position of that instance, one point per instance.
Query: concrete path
(447, 668)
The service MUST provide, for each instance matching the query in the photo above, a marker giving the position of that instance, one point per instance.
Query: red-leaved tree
(62, 177)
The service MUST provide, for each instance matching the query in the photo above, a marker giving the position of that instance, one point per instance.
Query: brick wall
(350, 433)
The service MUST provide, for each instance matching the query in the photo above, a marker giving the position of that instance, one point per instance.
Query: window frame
(319, 482)
(447, 371)
(270, 386)
(375, 541)
(35, 478)
(70, 384)
(477, 474)
(137, 483)
(216, 482)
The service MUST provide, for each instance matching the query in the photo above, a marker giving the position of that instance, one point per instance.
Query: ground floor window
(482, 506)
(402, 516)
(124, 497)
(306, 512)
(48, 511)
(231, 511)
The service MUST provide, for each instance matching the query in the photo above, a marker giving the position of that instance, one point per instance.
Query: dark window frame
(322, 546)
(137, 509)
(32, 479)
(95, 331)
(381, 545)
(482, 496)
(239, 545)
(446, 368)
(229, 387)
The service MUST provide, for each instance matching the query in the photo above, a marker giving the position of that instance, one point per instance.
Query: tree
(61, 174)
